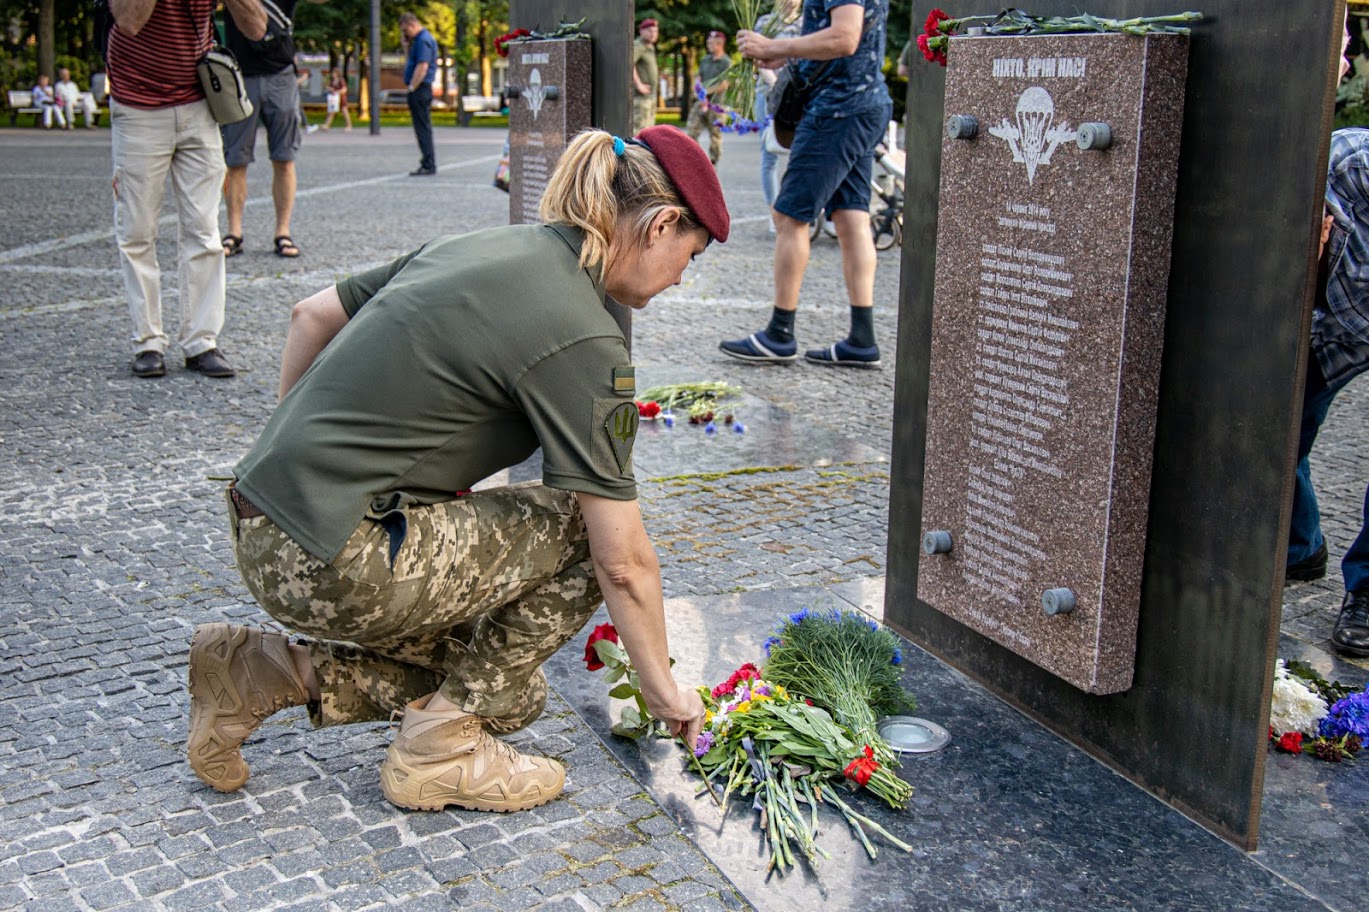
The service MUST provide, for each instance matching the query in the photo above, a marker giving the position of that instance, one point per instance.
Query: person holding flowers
(351, 518)
(840, 57)
(702, 114)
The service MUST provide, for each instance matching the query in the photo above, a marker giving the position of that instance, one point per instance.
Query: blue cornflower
(710, 428)
(898, 656)
(771, 641)
(1348, 716)
(798, 617)
(873, 625)
(738, 428)
(669, 419)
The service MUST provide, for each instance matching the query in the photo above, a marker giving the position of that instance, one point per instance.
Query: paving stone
(195, 896)
(38, 862)
(85, 875)
(643, 904)
(107, 895)
(151, 881)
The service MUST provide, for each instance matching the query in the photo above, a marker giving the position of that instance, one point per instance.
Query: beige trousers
(148, 145)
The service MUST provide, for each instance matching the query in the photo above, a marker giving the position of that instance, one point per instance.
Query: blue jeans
(1304, 529)
(421, 109)
(770, 181)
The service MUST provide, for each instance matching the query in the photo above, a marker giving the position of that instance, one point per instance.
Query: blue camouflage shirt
(1340, 326)
(849, 85)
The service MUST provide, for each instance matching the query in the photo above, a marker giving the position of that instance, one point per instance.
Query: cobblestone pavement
(115, 547)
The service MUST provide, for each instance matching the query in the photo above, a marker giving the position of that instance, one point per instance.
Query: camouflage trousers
(701, 119)
(481, 592)
(643, 112)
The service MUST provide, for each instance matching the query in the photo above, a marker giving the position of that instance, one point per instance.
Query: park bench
(21, 102)
(478, 106)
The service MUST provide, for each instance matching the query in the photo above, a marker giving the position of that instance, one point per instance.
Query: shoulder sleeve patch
(618, 431)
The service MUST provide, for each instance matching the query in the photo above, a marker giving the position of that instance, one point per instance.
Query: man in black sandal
(268, 68)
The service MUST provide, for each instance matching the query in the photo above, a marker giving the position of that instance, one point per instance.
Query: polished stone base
(1008, 816)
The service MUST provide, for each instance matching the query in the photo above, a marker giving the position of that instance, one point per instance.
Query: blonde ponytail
(609, 196)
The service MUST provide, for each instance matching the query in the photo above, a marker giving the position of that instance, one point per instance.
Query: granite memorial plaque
(1058, 175)
(549, 88)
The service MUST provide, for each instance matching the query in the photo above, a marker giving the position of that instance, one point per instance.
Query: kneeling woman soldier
(400, 388)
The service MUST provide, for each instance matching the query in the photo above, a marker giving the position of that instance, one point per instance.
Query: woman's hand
(682, 712)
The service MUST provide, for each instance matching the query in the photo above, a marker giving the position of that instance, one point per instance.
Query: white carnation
(1294, 706)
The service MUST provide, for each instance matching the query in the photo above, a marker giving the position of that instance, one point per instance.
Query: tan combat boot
(238, 677)
(442, 758)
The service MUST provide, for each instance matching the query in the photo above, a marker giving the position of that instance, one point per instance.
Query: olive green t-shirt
(710, 68)
(644, 62)
(459, 360)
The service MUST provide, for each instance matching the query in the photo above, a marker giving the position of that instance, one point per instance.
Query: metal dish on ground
(911, 735)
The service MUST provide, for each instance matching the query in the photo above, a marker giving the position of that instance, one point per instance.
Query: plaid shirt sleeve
(1340, 330)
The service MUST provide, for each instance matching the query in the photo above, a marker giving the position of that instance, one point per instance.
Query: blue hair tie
(618, 147)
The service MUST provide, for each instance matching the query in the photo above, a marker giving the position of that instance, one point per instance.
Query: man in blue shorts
(268, 68)
(840, 50)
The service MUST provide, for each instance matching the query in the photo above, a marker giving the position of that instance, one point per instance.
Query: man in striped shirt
(162, 125)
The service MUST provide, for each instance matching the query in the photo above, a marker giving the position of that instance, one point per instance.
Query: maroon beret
(646, 23)
(688, 167)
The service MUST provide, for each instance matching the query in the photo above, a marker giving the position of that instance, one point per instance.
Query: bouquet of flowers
(785, 752)
(939, 27)
(1310, 715)
(737, 112)
(846, 663)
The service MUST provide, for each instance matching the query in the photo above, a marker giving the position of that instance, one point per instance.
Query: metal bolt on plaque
(1093, 136)
(1057, 601)
(937, 542)
(961, 126)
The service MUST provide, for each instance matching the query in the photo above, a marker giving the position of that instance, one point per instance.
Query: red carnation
(501, 44)
(649, 409)
(602, 632)
(934, 20)
(1290, 742)
(745, 673)
(937, 55)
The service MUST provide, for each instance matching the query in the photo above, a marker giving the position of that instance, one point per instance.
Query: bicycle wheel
(886, 230)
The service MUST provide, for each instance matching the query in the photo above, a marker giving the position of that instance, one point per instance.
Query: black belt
(244, 507)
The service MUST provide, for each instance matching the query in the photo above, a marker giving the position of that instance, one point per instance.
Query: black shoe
(1351, 635)
(1312, 567)
(149, 364)
(211, 363)
(423, 172)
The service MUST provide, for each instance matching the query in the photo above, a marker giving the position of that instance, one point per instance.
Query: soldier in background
(645, 76)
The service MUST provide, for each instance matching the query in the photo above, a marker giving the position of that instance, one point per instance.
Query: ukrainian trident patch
(621, 426)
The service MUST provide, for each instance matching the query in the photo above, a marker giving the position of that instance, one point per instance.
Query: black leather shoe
(423, 172)
(149, 364)
(211, 363)
(1312, 567)
(1351, 635)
